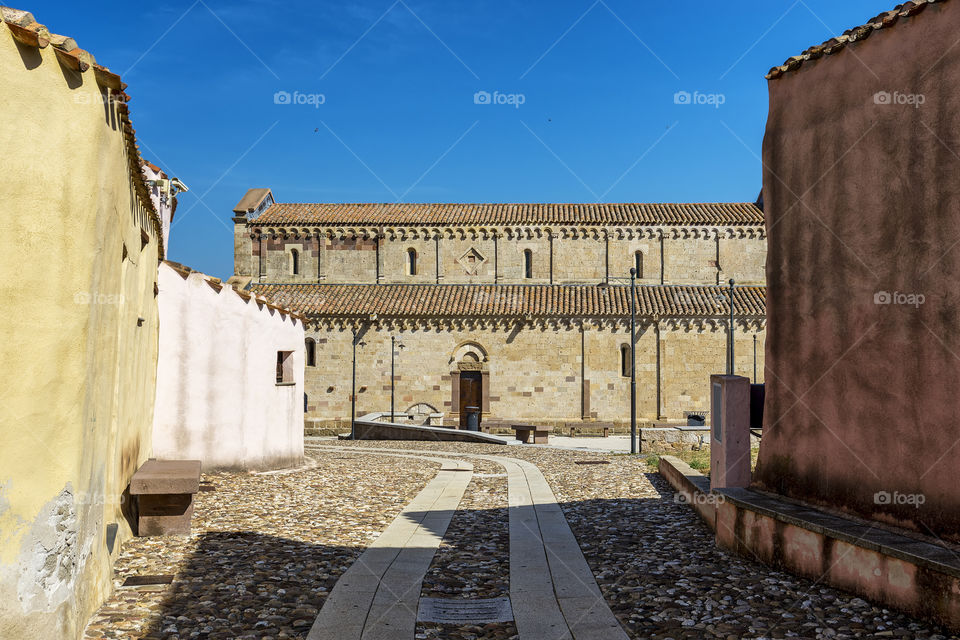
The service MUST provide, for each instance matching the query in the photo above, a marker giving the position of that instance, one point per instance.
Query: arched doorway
(470, 382)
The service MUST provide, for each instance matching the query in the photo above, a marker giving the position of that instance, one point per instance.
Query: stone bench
(605, 429)
(539, 433)
(164, 490)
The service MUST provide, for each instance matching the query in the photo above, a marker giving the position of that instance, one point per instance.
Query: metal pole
(633, 361)
(730, 360)
(754, 358)
(353, 390)
(392, 352)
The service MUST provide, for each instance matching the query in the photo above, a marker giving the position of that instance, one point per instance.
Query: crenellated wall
(218, 400)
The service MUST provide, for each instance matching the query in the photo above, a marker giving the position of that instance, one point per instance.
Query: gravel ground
(266, 550)
(660, 571)
(264, 553)
(474, 559)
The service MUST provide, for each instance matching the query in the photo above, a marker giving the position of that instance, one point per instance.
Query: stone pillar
(321, 247)
(485, 392)
(606, 257)
(730, 431)
(264, 244)
(584, 383)
(242, 247)
(662, 259)
(550, 238)
(440, 268)
(455, 392)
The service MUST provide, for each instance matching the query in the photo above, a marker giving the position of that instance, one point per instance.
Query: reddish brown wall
(861, 397)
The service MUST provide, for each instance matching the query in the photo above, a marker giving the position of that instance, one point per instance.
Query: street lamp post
(633, 361)
(353, 390)
(394, 345)
(730, 357)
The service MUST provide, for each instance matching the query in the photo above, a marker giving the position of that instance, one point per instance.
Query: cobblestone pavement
(660, 570)
(473, 560)
(267, 550)
(264, 553)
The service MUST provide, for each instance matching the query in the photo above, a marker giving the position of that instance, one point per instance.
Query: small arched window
(311, 349)
(527, 263)
(295, 261)
(625, 360)
(411, 262)
(638, 263)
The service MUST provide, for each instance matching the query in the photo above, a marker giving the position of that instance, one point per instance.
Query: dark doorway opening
(471, 393)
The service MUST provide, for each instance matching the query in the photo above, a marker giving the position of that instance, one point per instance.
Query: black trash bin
(473, 418)
(758, 394)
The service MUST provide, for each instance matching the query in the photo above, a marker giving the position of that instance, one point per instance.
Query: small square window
(284, 367)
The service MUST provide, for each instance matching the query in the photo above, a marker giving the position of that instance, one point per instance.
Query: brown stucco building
(862, 194)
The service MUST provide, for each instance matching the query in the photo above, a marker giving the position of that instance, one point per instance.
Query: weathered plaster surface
(862, 198)
(80, 328)
(217, 396)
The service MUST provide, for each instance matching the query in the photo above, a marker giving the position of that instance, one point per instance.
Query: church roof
(835, 45)
(473, 301)
(408, 214)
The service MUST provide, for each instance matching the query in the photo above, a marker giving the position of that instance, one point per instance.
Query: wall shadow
(655, 561)
(238, 583)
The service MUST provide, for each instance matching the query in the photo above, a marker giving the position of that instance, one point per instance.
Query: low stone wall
(318, 427)
(692, 488)
(389, 431)
(920, 578)
(666, 439)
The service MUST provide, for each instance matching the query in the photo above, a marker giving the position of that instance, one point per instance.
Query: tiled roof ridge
(884, 20)
(513, 300)
(218, 284)
(521, 213)
(28, 32)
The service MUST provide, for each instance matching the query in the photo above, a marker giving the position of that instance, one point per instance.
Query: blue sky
(384, 98)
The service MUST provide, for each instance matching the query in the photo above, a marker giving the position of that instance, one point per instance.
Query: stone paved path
(553, 592)
(377, 598)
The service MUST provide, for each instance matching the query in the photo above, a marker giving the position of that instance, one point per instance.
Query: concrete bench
(605, 430)
(539, 433)
(164, 490)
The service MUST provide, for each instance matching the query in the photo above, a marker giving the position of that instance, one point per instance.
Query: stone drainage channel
(553, 594)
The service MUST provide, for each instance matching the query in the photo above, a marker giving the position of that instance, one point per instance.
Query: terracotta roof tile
(216, 284)
(375, 214)
(834, 45)
(437, 301)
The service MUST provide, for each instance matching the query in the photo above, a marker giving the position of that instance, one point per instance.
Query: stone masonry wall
(703, 259)
(537, 373)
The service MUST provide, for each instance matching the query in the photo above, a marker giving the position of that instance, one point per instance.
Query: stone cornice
(511, 232)
(750, 324)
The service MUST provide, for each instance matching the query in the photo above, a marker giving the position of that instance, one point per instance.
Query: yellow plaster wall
(79, 373)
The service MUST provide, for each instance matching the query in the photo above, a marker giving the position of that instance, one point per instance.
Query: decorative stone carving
(472, 261)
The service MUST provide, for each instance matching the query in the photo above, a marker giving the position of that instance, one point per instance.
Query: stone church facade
(522, 310)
